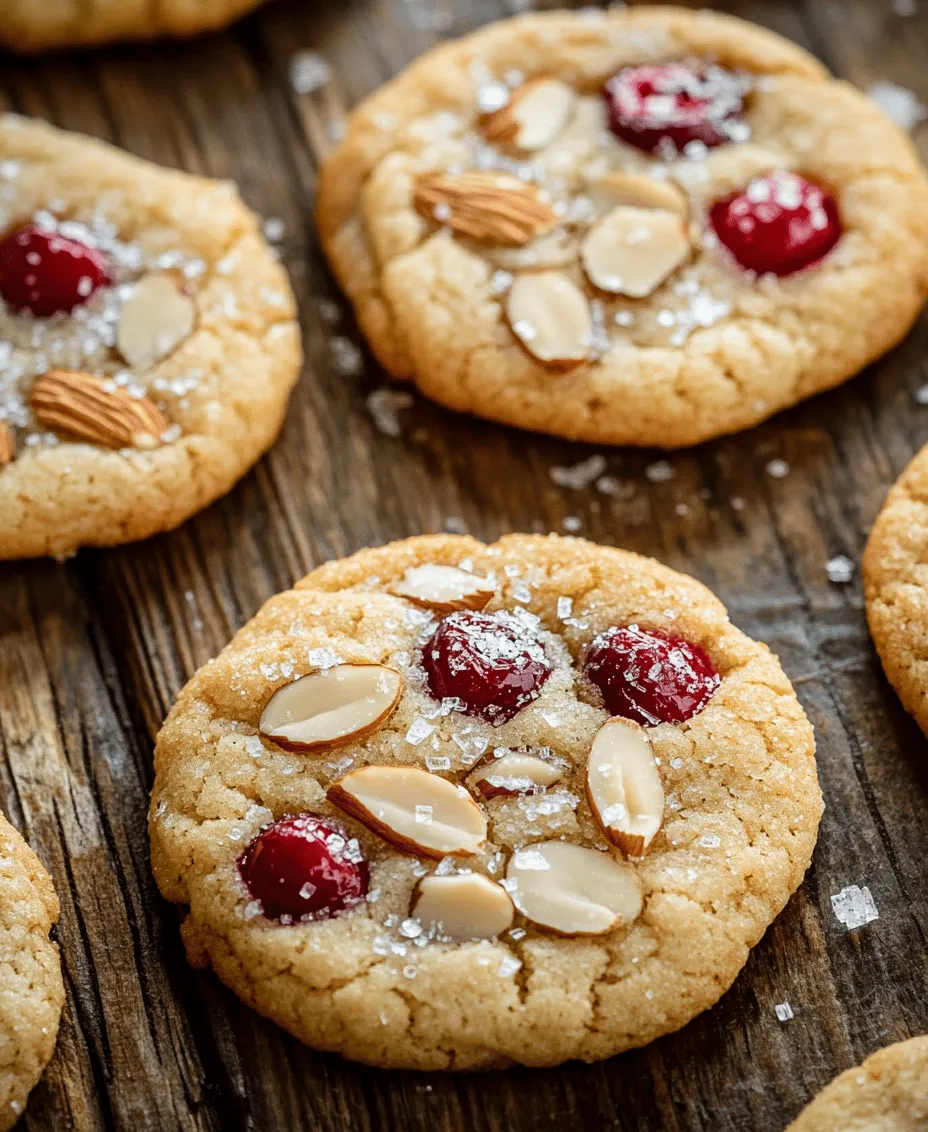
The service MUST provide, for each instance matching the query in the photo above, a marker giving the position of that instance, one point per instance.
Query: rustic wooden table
(94, 650)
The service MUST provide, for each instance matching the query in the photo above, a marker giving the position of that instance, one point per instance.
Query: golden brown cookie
(896, 587)
(726, 232)
(40, 25)
(148, 343)
(31, 990)
(888, 1093)
(405, 826)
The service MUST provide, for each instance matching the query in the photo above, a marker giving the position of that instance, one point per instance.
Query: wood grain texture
(92, 652)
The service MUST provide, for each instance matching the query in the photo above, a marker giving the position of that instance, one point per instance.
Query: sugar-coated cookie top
(31, 990)
(649, 226)
(406, 829)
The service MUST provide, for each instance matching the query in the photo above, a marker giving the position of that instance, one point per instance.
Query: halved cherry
(303, 868)
(491, 662)
(780, 223)
(45, 273)
(650, 676)
(671, 104)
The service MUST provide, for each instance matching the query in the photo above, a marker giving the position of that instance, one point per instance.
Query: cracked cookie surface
(36, 25)
(741, 813)
(31, 989)
(887, 1093)
(710, 349)
(189, 327)
(896, 587)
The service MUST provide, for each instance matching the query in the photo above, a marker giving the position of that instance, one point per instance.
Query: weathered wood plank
(93, 652)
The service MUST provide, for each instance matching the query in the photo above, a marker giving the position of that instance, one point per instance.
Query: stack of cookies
(446, 804)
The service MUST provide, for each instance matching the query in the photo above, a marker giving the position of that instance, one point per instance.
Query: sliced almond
(533, 117)
(95, 409)
(155, 319)
(616, 188)
(7, 444)
(331, 707)
(631, 251)
(444, 588)
(516, 773)
(551, 317)
(623, 786)
(492, 208)
(573, 890)
(470, 906)
(414, 810)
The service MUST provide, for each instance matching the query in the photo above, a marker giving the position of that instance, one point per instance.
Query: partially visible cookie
(31, 989)
(37, 25)
(649, 226)
(895, 573)
(454, 806)
(888, 1093)
(148, 342)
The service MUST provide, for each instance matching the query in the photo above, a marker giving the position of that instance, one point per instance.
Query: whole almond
(7, 444)
(94, 409)
(492, 208)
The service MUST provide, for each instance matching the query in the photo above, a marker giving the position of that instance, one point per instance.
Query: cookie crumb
(854, 907)
(660, 472)
(777, 469)
(571, 524)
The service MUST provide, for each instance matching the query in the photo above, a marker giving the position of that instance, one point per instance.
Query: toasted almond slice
(331, 707)
(533, 117)
(573, 890)
(551, 317)
(155, 319)
(7, 444)
(470, 906)
(445, 588)
(616, 188)
(414, 810)
(94, 409)
(633, 250)
(623, 786)
(492, 208)
(516, 773)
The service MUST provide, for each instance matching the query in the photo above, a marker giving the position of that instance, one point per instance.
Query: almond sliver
(155, 319)
(331, 707)
(551, 317)
(414, 810)
(515, 773)
(469, 906)
(533, 117)
(571, 889)
(444, 588)
(624, 786)
(631, 251)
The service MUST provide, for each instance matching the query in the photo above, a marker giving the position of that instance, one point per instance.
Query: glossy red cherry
(491, 662)
(47, 274)
(651, 677)
(668, 104)
(780, 223)
(304, 868)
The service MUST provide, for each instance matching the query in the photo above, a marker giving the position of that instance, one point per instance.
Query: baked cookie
(454, 806)
(31, 990)
(148, 343)
(896, 587)
(39, 25)
(644, 227)
(888, 1093)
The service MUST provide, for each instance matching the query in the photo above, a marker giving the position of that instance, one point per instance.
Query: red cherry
(780, 223)
(491, 662)
(47, 274)
(304, 868)
(663, 104)
(651, 677)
